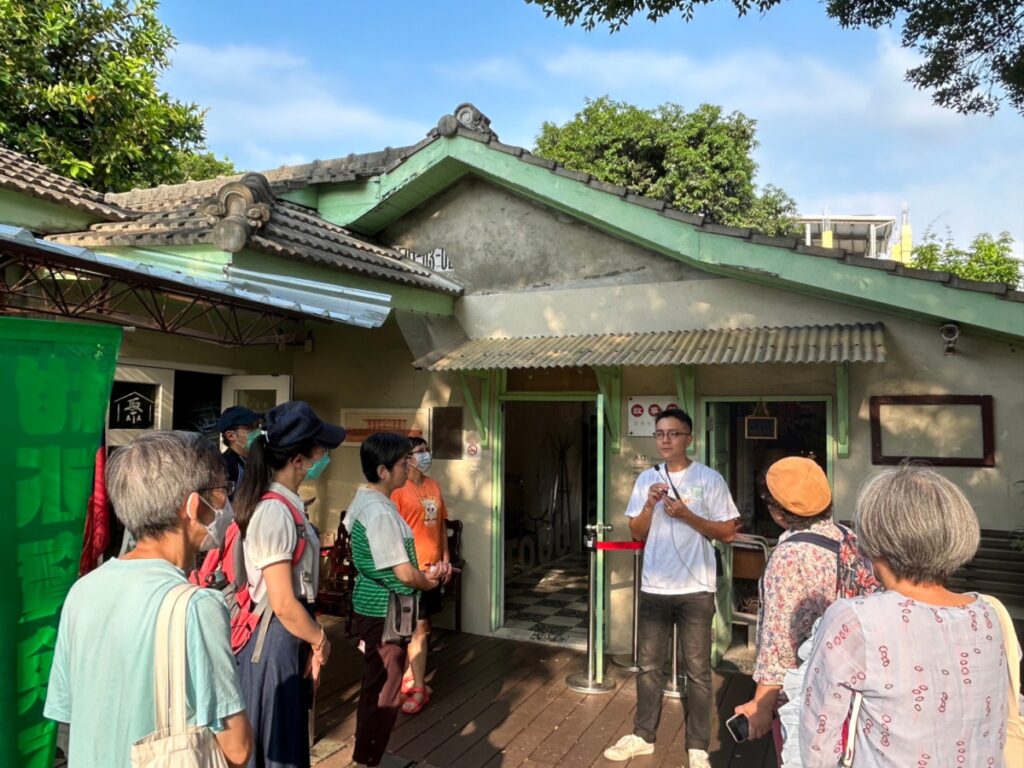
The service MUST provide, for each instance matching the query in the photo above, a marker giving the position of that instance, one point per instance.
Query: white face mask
(218, 527)
(423, 461)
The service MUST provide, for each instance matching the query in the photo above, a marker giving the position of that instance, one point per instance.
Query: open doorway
(550, 493)
(744, 438)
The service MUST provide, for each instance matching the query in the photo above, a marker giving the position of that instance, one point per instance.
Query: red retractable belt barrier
(620, 545)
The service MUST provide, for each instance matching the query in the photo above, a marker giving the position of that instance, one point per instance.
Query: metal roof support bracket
(843, 410)
(609, 380)
(478, 409)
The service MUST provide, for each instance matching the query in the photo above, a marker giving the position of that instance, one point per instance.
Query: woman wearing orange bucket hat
(815, 562)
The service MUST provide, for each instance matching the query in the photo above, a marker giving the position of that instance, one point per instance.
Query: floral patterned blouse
(799, 583)
(934, 682)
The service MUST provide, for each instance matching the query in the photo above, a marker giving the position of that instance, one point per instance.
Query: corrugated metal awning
(290, 295)
(857, 343)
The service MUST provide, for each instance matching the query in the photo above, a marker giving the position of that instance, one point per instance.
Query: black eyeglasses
(229, 488)
(671, 434)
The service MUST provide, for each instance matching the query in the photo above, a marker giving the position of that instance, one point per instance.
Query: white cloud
(759, 82)
(265, 103)
(764, 83)
(505, 71)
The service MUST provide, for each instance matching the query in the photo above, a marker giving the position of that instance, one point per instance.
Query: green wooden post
(686, 388)
(494, 406)
(479, 410)
(599, 612)
(721, 627)
(843, 410)
(609, 381)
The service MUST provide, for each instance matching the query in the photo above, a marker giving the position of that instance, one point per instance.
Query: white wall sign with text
(643, 409)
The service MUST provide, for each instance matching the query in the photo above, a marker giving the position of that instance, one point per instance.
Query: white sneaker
(627, 747)
(699, 758)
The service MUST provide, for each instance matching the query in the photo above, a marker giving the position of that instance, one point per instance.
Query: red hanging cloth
(97, 520)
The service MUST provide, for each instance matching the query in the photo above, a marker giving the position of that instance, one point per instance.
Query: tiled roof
(284, 178)
(856, 343)
(262, 223)
(20, 174)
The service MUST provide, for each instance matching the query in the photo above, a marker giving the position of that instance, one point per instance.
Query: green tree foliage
(971, 49)
(698, 161)
(987, 258)
(79, 93)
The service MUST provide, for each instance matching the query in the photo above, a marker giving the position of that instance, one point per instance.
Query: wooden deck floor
(504, 704)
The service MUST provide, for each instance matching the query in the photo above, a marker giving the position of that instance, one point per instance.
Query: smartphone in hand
(738, 728)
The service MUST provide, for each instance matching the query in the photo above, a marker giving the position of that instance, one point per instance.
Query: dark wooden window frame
(988, 459)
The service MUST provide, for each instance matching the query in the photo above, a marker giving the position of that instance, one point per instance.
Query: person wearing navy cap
(235, 425)
(281, 552)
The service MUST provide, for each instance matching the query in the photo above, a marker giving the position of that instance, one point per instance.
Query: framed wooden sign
(363, 422)
(760, 428)
(943, 430)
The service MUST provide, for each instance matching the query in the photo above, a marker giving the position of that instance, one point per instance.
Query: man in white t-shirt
(678, 507)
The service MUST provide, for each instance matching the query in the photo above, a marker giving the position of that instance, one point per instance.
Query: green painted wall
(41, 216)
(402, 296)
(307, 196)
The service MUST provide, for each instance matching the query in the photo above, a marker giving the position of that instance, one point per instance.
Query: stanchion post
(592, 679)
(675, 688)
(628, 662)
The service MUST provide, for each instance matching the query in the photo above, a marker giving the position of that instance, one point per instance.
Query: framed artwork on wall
(943, 430)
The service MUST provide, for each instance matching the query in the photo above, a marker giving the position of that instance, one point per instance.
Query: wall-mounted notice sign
(642, 411)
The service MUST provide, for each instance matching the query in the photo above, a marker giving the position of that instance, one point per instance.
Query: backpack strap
(264, 613)
(297, 517)
(832, 545)
(262, 609)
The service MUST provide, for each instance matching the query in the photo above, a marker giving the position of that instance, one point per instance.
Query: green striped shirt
(381, 539)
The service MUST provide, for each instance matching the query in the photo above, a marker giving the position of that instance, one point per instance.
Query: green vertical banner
(55, 382)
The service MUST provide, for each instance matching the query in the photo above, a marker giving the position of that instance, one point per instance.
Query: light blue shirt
(102, 677)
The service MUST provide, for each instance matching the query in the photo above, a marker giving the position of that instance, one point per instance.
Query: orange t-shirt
(422, 507)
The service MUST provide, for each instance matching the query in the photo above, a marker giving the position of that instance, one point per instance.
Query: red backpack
(224, 569)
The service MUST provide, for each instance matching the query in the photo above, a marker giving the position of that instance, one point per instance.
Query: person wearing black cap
(235, 425)
(282, 555)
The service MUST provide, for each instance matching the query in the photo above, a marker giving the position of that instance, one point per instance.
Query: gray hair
(151, 478)
(919, 522)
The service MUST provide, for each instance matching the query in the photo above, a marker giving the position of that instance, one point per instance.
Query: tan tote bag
(1014, 752)
(174, 744)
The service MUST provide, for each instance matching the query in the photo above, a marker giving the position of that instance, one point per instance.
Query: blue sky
(838, 126)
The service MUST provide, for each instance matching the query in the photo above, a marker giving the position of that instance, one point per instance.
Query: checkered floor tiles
(549, 604)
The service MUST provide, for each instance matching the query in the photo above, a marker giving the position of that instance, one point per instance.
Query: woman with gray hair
(169, 490)
(920, 672)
